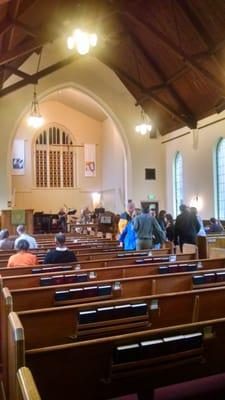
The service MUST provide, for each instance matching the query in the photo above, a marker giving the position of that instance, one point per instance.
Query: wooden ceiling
(170, 54)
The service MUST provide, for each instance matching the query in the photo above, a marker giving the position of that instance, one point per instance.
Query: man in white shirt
(23, 235)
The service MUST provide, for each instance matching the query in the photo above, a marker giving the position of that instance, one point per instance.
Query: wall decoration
(18, 217)
(18, 160)
(90, 160)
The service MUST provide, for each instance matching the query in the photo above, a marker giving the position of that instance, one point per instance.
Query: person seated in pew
(215, 226)
(60, 254)
(5, 242)
(23, 257)
(23, 235)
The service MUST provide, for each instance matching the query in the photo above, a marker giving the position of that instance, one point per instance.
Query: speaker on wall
(150, 174)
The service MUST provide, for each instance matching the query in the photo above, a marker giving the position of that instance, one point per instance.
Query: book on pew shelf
(86, 317)
(61, 295)
(198, 279)
(120, 255)
(128, 353)
(67, 267)
(76, 293)
(104, 290)
(70, 278)
(193, 340)
(37, 270)
(220, 276)
(139, 309)
(172, 258)
(58, 280)
(77, 268)
(163, 269)
(174, 268)
(91, 291)
(209, 277)
(104, 313)
(173, 344)
(82, 278)
(165, 259)
(139, 261)
(123, 311)
(46, 281)
(151, 348)
(192, 267)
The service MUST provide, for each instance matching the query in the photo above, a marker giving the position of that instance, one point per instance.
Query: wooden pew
(114, 366)
(211, 246)
(27, 390)
(102, 263)
(34, 280)
(94, 254)
(60, 325)
(114, 271)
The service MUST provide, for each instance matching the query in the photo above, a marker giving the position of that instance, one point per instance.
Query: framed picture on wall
(18, 159)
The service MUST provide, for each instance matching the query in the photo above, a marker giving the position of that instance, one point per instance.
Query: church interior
(106, 103)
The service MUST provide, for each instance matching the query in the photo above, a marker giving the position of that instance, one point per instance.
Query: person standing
(186, 227)
(62, 214)
(145, 227)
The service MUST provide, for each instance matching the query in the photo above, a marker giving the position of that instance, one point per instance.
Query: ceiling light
(83, 41)
(144, 126)
(35, 120)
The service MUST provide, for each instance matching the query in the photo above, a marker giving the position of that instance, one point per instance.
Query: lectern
(10, 219)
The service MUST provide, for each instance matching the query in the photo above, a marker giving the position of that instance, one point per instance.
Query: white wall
(198, 164)
(95, 79)
(113, 168)
(83, 130)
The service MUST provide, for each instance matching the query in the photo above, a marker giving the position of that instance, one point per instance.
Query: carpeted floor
(208, 388)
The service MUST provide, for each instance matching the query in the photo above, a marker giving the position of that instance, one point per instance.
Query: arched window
(178, 182)
(220, 178)
(54, 159)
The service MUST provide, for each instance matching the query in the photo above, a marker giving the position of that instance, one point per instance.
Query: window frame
(218, 183)
(178, 157)
(48, 147)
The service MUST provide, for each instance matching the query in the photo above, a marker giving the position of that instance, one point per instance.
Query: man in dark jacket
(60, 255)
(186, 227)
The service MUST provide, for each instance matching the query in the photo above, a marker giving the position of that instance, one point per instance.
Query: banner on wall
(90, 159)
(18, 157)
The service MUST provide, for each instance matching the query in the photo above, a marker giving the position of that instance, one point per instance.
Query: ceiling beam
(20, 73)
(217, 84)
(4, 1)
(21, 50)
(199, 28)
(38, 75)
(183, 108)
(5, 26)
(145, 92)
(26, 29)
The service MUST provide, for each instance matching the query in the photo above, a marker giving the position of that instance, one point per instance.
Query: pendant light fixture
(144, 126)
(35, 120)
(83, 41)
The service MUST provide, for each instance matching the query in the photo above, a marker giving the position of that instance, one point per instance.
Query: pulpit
(10, 219)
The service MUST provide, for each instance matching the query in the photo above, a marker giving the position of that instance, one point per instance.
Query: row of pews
(101, 330)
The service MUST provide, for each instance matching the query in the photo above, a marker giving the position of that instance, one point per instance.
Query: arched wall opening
(89, 121)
